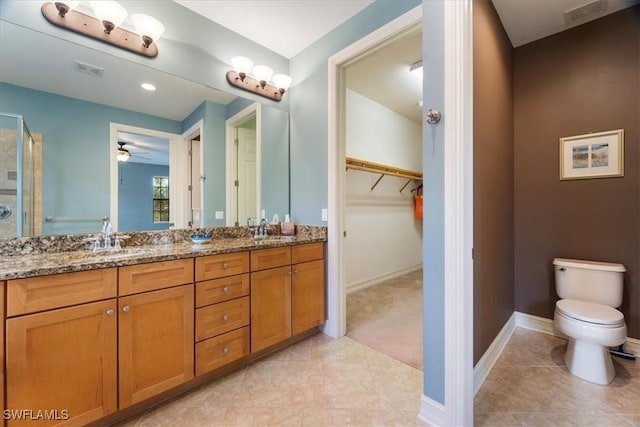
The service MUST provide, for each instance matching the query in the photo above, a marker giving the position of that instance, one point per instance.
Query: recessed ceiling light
(148, 86)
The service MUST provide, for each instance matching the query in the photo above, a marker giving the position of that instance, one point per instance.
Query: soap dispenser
(287, 227)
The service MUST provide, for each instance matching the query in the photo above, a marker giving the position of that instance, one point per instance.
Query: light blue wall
(433, 196)
(308, 106)
(75, 151)
(135, 196)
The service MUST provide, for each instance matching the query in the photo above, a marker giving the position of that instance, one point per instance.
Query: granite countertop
(22, 266)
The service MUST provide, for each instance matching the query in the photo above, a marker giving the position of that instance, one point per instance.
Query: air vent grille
(89, 69)
(585, 12)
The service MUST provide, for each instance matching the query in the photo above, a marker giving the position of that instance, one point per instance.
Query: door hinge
(344, 233)
(236, 183)
(472, 253)
(236, 141)
(189, 188)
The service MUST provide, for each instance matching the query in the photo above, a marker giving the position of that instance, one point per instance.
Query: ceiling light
(123, 154)
(105, 26)
(416, 69)
(257, 79)
(148, 86)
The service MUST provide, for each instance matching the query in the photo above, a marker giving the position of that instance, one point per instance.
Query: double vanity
(95, 337)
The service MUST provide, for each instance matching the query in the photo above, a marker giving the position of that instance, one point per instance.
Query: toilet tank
(592, 281)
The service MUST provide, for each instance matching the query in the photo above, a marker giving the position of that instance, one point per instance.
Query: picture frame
(592, 155)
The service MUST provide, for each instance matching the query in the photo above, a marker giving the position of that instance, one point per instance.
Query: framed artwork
(593, 155)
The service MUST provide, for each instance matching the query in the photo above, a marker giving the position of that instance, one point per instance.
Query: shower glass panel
(16, 177)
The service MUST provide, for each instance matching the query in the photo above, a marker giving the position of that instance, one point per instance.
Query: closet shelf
(366, 166)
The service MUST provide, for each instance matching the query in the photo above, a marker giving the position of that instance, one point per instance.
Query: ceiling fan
(123, 154)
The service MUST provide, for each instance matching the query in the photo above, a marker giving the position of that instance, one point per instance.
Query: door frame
(230, 154)
(189, 134)
(177, 172)
(457, 407)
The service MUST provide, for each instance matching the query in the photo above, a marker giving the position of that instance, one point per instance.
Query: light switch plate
(219, 214)
(325, 215)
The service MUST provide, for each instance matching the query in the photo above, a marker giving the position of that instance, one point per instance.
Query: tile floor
(530, 386)
(317, 382)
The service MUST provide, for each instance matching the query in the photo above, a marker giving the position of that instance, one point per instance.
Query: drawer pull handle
(225, 350)
(225, 289)
(126, 308)
(225, 317)
(110, 312)
(225, 265)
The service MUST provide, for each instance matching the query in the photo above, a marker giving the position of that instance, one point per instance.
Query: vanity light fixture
(105, 26)
(258, 79)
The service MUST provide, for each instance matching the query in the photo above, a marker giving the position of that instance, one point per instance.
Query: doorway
(243, 165)
(194, 199)
(383, 149)
(152, 176)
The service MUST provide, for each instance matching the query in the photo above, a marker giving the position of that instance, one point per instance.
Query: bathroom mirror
(78, 146)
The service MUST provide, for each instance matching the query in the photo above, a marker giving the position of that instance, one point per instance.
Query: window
(160, 199)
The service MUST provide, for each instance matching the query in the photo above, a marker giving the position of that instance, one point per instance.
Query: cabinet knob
(225, 265)
(295, 271)
(225, 350)
(289, 272)
(225, 317)
(225, 289)
(126, 308)
(110, 312)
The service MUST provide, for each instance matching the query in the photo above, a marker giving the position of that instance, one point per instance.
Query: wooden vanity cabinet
(155, 331)
(287, 293)
(222, 310)
(62, 359)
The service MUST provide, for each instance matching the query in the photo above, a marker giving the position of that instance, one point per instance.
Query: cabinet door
(308, 296)
(63, 360)
(155, 342)
(270, 307)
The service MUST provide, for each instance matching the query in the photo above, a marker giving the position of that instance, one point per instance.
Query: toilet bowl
(590, 291)
(591, 328)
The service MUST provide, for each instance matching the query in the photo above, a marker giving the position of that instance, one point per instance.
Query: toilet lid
(590, 312)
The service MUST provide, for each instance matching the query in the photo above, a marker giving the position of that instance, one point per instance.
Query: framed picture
(593, 155)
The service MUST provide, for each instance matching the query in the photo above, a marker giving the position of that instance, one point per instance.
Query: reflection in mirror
(72, 95)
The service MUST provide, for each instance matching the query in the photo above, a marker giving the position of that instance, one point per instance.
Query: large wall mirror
(88, 107)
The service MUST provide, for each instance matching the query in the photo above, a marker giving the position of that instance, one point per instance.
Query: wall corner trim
(490, 357)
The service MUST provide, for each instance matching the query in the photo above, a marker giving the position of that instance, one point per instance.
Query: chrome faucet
(261, 231)
(107, 229)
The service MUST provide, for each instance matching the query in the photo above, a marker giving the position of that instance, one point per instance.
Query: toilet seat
(597, 314)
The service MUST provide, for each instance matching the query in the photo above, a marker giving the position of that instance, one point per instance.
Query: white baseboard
(526, 321)
(489, 358)
(432, 412)
(358, 286)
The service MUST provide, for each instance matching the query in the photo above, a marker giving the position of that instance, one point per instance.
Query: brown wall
(492, 176)
(582, 80)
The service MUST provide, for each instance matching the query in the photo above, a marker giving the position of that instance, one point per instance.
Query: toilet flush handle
(562, 269)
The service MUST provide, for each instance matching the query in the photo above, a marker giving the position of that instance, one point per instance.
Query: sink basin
(110, 253)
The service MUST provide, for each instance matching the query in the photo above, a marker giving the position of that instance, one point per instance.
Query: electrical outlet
(219, 214)
(325, 215)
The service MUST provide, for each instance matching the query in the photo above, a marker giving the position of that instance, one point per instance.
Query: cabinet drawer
(220, 318)
(223, 265)
(155, 275)
(269, 258)
(216, 352)
(59, 290)
(308, 252)
(218, 290)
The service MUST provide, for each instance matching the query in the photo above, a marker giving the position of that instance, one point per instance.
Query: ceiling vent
(89, 69)
(585, 12)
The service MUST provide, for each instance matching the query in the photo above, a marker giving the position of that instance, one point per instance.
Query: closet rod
(366, 166)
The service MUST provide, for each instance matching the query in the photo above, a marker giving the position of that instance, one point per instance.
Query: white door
(195, 185)
(246, 175)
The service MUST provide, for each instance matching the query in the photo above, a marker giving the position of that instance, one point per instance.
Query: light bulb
(111, 13)
(282, 82)
(263, 74)
(149, 28)
(242, 65)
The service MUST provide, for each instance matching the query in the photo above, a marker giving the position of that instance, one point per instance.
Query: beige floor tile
(570, 420)
(176, 413)
(528, 348)
(262, 417)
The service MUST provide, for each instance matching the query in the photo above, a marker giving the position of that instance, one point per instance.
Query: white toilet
(590, 291)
